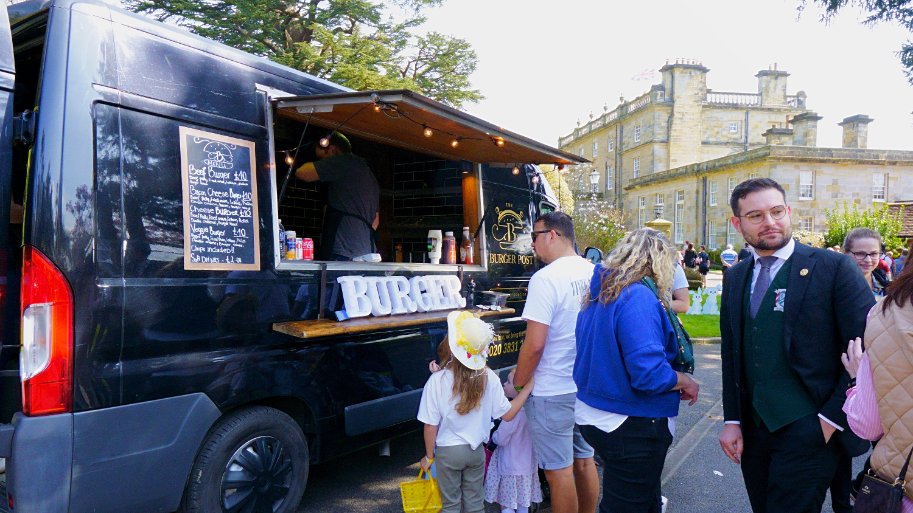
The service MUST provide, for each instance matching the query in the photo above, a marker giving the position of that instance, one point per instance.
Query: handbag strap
(903, 471)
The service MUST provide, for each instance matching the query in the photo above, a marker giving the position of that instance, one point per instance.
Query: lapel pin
(803, 272)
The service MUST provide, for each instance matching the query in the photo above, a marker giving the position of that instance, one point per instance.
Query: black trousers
(634, 455)
(789, 470)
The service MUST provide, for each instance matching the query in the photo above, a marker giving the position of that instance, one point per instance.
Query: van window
(151, 216)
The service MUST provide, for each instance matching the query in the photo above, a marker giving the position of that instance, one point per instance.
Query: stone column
(661, 225)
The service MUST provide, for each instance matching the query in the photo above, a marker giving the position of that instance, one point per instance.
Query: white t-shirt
(679, 280)
(554, 297)
(438, 408)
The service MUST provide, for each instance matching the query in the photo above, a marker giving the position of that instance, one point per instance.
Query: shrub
(813, 239)
(599, 225)
(841, 221)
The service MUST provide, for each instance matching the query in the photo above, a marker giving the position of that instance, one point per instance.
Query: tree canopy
(356, 43)
(876, 11)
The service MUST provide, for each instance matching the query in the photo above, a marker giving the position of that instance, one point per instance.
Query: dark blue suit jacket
(827, 300)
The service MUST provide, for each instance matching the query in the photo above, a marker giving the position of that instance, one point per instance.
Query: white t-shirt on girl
(438, 408)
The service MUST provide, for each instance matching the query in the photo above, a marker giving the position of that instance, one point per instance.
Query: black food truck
(159, 350)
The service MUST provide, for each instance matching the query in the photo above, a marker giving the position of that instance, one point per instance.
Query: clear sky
(545, 64)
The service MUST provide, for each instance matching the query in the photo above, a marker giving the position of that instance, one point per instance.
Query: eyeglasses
(862, 255)
(758, 216)
(535, 233)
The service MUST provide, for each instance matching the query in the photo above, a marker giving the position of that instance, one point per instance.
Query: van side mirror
(592, 254)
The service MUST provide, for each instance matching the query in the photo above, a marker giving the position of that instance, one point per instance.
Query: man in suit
(786, 317)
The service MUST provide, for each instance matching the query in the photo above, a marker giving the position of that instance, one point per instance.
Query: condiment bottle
(466, 248)
(448, 251)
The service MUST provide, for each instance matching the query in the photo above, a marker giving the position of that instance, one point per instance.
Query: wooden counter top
(326, 327)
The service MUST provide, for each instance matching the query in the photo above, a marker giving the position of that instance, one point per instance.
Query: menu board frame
(184, 133)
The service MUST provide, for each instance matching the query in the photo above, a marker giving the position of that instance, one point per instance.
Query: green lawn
(701, 325)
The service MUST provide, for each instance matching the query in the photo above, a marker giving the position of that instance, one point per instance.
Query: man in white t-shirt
(548, 353)
(728, 257)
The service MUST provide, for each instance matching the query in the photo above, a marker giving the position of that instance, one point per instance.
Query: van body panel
(9, 282)
(38, 471)
(140, 454)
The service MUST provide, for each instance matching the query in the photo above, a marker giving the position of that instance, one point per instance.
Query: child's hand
(425, 463)
(433, 366)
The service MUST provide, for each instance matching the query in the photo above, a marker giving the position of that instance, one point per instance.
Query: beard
(767, 244)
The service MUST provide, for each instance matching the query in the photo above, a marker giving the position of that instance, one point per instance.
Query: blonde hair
(641, 253)
(468, 384)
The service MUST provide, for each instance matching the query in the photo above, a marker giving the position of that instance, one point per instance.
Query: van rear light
(46, 357)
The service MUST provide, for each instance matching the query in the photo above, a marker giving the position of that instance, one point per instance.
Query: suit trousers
(633, 456)
(460, 478)
(788, 470)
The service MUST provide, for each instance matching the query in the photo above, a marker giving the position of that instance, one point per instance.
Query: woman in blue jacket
(627, 391)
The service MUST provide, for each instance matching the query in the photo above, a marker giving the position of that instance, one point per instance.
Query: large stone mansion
(679, 149)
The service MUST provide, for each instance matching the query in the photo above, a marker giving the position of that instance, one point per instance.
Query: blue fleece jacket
(624, 354)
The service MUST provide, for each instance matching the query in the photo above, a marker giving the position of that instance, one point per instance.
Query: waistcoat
(778, 396)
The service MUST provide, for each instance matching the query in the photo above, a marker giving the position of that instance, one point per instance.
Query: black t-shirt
(705, 260)
(352, 189)
(690, 256)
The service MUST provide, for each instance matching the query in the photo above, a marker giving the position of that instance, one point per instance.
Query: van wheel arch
(241, 440)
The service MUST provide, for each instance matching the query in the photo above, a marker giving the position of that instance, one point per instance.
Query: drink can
(290, 245)
(299, 248)
(307, 248)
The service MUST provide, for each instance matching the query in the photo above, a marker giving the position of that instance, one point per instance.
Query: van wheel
(255, 460)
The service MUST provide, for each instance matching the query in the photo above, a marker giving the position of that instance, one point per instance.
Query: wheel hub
(257, 477)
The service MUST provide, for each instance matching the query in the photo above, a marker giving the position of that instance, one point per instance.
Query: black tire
(253, 461)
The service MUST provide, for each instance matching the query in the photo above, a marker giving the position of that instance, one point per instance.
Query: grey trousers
(460, 475)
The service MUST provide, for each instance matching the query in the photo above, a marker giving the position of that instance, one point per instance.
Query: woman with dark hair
(690, 255)
(627, 390)
(865, 247)
(879, 402)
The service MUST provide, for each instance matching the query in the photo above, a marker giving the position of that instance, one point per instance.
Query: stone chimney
(685, 84)
(777, 136)
(856, 131)
(772, 87)
(805, 129)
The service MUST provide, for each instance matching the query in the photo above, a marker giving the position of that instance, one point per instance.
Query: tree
(841, 221)
(877, 11)
(355, 43)
(598, 224)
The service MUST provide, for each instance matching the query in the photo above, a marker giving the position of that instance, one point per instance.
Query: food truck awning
(400, 118)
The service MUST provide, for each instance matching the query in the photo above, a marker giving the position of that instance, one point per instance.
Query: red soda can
(307, 248)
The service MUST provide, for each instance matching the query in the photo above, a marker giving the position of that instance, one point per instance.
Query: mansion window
(609, 177)
(636, 167)
(637, 133)
(734, 127)
(711, 195)
(807, 223)
(806, 185)
(679, 217)
(879, 186)
(608, 144)
(641, 211)
(595, 149)
(711, 235)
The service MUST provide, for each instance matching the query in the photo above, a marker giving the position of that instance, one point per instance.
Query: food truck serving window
(424, 156)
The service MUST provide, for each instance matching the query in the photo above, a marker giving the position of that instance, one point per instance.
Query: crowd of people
(596, 375)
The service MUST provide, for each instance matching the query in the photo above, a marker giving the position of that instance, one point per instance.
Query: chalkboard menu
(221, 229)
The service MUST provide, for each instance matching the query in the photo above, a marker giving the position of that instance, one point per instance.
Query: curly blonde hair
(641, 253)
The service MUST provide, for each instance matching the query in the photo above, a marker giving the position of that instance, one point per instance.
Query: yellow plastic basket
(420, 495)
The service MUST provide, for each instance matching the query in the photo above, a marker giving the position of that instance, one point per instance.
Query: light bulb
(499, 142)
(376, 107)
(288, 159)
(454, 143)
(324, 142)
(515, 170)
(427, 132)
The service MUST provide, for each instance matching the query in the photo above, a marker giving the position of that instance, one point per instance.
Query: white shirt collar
(783, 253)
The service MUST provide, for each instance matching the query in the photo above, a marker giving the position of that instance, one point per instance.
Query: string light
(289, 159)
(454, 143)
(516, 170)
(376, 107)
(499, 141)
(426, 131)
(324, 142)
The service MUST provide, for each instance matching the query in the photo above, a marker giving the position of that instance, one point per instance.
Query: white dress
(512, 479)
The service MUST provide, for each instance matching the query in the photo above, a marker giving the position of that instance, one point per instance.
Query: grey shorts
(556, 438)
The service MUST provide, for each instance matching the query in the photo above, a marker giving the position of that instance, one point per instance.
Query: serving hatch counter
(326, 327)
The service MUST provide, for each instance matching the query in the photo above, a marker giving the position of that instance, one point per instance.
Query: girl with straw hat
(457, 406)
